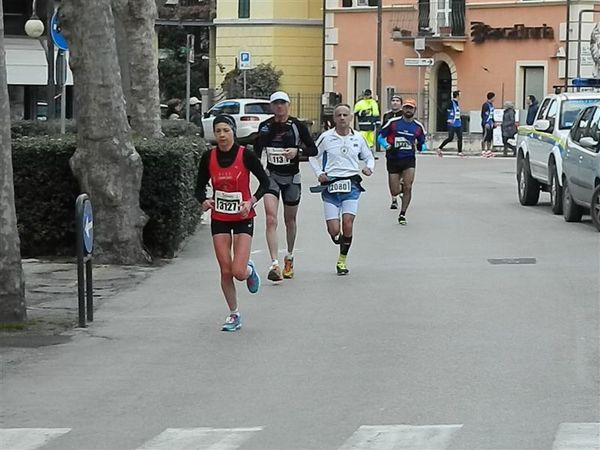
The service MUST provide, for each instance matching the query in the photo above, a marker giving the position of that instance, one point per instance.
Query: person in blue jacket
(532, 109)
(401, 137)
(487, 124)
(454, 125)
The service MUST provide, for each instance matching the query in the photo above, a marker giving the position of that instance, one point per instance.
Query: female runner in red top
(228, 166)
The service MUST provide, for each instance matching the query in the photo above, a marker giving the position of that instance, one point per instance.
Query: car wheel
(529, 188)
(572, 212)
(595, 207)
(555, 191)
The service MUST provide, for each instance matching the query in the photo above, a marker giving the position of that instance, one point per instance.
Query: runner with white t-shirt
(337, 166)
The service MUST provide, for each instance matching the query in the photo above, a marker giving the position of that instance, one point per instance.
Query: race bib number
(402, 144)
(228, 202)
(340, 187)
(276, 156)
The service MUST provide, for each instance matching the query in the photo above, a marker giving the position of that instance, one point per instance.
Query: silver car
(581, 168)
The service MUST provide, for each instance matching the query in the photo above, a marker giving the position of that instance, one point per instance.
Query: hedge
(45, 193)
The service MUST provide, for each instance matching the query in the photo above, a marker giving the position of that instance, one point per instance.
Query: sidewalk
(52, 298)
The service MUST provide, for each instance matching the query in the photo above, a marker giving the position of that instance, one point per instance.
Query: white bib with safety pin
(276, 156)
(340, 187)
(228, 202)
(402, 144)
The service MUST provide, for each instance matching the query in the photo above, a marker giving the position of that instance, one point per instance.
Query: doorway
(443, 94)
(361, 81)
(533, 83)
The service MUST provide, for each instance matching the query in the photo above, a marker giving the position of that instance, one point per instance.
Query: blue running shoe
(253, 281)
(232, 323)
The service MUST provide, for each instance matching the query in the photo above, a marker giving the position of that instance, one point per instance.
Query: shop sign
(481, 32)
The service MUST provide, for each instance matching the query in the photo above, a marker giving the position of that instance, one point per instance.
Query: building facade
(510, 47)
(287, 34)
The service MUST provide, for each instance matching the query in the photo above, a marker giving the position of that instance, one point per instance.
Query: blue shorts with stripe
(338, 199)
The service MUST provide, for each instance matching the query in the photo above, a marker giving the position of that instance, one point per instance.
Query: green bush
(45, 193)
(177, 128)
(21, 128)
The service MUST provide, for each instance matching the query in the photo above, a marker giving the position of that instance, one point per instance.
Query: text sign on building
(245, 60)
(480, 32)
(418, 61)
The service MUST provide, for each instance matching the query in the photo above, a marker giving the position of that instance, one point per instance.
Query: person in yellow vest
(367, 113)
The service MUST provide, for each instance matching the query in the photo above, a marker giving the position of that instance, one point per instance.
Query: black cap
(368, 92)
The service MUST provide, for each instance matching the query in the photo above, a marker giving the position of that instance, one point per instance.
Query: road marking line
(200, 438)
(28, 438)
(398, 437)
(577, 436)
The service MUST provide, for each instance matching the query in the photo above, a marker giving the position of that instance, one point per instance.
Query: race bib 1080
(228, 202)
(276, 156)
(340, 187)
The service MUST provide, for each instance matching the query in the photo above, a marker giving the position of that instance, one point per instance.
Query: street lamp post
(34, 28)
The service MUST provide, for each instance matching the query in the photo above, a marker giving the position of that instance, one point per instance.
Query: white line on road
(577, 436)
(28, 438)
(398, 437)
(200, 438)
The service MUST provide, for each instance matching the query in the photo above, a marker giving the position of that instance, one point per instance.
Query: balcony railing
(418, 18)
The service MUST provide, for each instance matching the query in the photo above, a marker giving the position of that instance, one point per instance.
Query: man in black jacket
(532, 109)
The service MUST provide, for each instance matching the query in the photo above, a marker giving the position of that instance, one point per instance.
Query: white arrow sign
(89, 224)
(418, 61)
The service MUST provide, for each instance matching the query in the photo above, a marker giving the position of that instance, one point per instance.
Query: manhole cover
(497, 261)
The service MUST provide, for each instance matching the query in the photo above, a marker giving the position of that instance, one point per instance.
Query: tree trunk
(106, 163)
(12, 285)
(138, 18)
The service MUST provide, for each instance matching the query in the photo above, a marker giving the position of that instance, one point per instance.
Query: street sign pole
(244, 63)
(244, 84)
(189, 49)
(84, 224)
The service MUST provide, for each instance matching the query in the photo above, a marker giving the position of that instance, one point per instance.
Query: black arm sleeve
(253, 164)
(259, 143)
(309, 143)
(203, 177)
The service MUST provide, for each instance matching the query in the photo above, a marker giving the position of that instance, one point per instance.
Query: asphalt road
(426, 344)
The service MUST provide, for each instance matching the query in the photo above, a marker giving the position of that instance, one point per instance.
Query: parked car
(581, 168)
(247, 112)
(540, 147)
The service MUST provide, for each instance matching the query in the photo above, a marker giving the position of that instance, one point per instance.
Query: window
(243, 9)
(225, 108)
(543, 108)
(258, 108)
(351, 3)
(571, 108)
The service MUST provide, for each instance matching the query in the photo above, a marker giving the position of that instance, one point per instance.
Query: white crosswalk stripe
(200, 439)
(577, 436)
(28, 438)
(397, 437)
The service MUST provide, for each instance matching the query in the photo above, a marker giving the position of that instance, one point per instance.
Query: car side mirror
(589, 143)
(542, 125)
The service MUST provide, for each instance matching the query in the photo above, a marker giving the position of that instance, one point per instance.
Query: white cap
(279, 95)
(194, 101)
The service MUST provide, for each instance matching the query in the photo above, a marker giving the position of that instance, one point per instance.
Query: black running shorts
(401, 164)
(237, 227)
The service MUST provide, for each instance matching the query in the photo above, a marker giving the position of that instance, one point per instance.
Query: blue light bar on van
(586, 82)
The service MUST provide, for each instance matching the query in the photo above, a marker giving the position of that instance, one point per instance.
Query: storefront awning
(26, 62)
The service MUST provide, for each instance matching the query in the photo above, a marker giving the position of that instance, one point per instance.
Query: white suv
(540, 146)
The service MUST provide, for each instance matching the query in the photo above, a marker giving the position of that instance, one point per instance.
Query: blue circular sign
(57, 37)
(87, 223)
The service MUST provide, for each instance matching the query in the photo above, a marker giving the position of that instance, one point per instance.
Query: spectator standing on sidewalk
(228, 166)
(487, 124)
(509, 127)
(454, 125)
(532, 109)
(367, 112)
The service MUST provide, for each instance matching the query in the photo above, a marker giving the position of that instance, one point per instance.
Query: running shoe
(394, 204)
(402, 219)
(288, 267)
(275, 273)
(439, 152)
(341, 268)
(253, 281)
(232, 323)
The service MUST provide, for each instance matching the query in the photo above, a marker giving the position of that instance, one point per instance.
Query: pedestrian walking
(403, 137)
(395, 111)
(282, 137)
(454, 125)
(337, 167)
(196, 111)
(227, 167)
(509, 128)
(532, 109)
(367, 112)
(487, 124)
